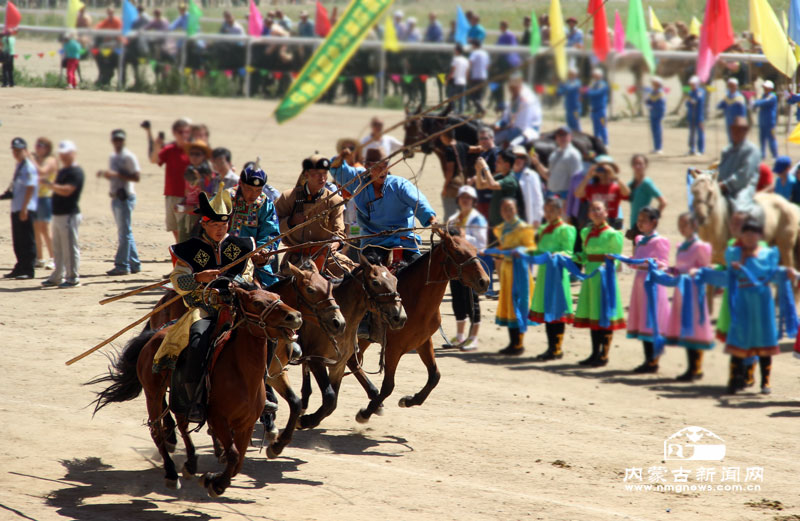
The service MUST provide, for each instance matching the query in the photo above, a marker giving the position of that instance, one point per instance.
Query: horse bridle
(393, 297)
(459, 266)
(315, 306)
(258, 319)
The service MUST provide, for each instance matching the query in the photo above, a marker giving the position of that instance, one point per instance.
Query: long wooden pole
(122, 331)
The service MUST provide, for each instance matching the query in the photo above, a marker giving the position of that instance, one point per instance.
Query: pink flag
(619, 34)
(255, 21)
(716, 35)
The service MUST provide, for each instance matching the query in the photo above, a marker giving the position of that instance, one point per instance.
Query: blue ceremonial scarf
(520, 287)
(651, 292)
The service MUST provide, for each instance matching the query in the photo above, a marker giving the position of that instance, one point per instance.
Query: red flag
(716, 35)
(600, 43)
(322, 24)
(13, 18)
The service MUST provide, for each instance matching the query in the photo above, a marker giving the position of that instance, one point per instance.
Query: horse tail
(122, 374)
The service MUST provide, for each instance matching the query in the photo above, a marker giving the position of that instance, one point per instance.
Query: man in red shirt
(174, 156)
(604, 187)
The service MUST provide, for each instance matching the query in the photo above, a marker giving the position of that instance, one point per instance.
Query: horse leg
(281, 386)
(309, 421)
(216, 483)
(428, 357)
(361, 376)
(242, 441)
(154, 412)
(306, 389)
(392, 358)
(169, 428)
(190, 465)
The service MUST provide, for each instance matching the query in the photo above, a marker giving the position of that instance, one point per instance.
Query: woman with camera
(600, 184)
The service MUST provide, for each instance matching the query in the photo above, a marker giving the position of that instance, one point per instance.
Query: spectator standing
(123, 171)
(221, 164)
(598, 102)
(574, 35)
(571, 91)
(158, 23)
(9, 41)
(412, 31)
(180, 23)
(767, 119)
(642, 192)
(488, 151)
(456, 163)
(476, 30)
(531, 202)
(785, 179)
(522, 117)
(525, 39)
(657, 104)
(563, 163)
(230, 25)
(434, 33)
(173, 156)
(199, 178)
(377, 139)
(457, 77)
(47, 168)
(503, 184)
(507, 61)
(200, 132)
(606, 188)
(478, 73)
(733, 105)
(283, 20)
(695, 115)
(400, 27)
(305, 27)
(72, 56)
(23, 207)
(66, 219)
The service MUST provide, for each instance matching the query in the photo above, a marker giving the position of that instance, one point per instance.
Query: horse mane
(408, 266)
(275, 287)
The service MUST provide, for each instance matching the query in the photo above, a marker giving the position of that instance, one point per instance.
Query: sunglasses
(197, 154)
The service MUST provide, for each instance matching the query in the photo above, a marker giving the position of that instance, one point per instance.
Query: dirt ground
(497, 439)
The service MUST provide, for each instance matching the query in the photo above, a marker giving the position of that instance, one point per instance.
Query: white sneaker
(39, 263)
(50, 265)
(471, 344)
(456, 341)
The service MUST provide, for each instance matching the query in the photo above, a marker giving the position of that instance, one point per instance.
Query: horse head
(266, 310)
(381, 288)
(413, 130)
(705, 196)
(461, 262)
(315, 293)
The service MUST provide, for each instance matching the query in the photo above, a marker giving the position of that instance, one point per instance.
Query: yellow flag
(558, 39)
(390, 42)
(694, 27)
(768, 32)
(73, 6)
(784, 21)
(794, 137)
(655, 25)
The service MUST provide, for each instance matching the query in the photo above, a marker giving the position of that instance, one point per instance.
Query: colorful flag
(784, 22)
(193, 18)
(390, 42)
(794, 137)
(73, 6)
(636, 32)
(794, 21)
(330, 57)
(536, 34)
(694, 27)
(462, 27)
(716, 35)
(619, 34)
(768, 32)
(600, 43)
(129, 15)
(558, 39)
(255, 22)
(322, 24)
(655, 25)
(13, 18)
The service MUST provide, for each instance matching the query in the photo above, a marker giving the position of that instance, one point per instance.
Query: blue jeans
(599, 126)
(127, 257)
(767, 138)
(697, 135)
(655, 129)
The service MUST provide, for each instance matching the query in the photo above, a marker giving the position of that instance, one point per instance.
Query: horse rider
(198, 264)
(738, 174)
(389, 203)
(767, 119)
(522, 118)
(305, 201)
(733, 105)
(597, 93)
(571, 90)
(695, 115)
(254, 216)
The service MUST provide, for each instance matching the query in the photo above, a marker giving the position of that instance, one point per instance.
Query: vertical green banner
(323, 68)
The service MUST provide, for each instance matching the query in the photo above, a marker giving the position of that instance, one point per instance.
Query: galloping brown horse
(422, 285)
(236, 393)
(370, 287)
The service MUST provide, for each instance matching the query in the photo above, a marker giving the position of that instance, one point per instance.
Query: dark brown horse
(236, 393)
(422, 285)
(370, 287)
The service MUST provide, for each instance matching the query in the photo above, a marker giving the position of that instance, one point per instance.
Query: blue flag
(794, 21)
(462, 26)
(129, 15)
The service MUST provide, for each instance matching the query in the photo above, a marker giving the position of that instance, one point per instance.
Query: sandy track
(498, 439)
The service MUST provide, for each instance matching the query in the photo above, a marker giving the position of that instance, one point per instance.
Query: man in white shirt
(478, 73)
(522, 117)
(530, 186)
(412, 32)
(563, 162)
(376, 139)
(457, 77)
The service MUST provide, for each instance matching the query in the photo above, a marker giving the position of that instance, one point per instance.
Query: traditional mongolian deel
(514, 303)
(557, 237)
(648, 247)
(692, 254)
(597, 243)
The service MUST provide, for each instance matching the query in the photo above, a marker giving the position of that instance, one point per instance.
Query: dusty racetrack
(497, 439)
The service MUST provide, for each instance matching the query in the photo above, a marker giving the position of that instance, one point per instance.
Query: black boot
(514, 347)
(605, 337)
(765, 362)
(650, 365)
(595, 334)
(555, 335)
(736, 375)
(691, 374)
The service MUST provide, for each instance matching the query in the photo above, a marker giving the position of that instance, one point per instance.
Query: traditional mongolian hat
(218, 209)
(253, 175)
(316, 162)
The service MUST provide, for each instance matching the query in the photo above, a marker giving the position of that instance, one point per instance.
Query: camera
(145, 124)
(600, 170)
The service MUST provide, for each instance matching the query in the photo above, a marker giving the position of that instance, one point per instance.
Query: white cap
(66, 146)
(572, 69)
(768, 84)
(412, 20)
(657, 79)
(597, 71)
(398, 14)
(694, 80)
(468, 190)
(733, 81)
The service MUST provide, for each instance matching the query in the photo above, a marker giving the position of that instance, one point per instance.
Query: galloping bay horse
(422, 285)
(236, 393)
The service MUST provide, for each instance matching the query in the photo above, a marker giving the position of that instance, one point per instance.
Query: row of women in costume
(747, 323)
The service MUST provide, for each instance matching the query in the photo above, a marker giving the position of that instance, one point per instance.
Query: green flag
(329, 59)
(193, 18)
(536, 34)
(636, 32)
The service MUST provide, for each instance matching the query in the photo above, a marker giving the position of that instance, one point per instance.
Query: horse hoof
(172, 484)
(379, 411)
(361, 417)
(272, 435)
(185, 472)
(272, 453)
(222, 459)
(211, 492)
(406, 401)
(170, 447)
